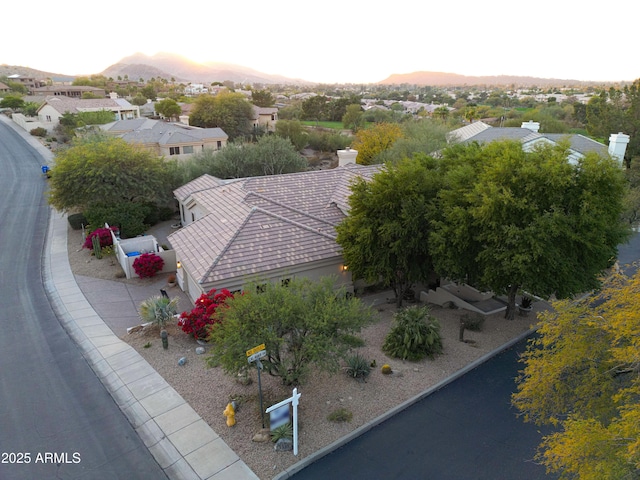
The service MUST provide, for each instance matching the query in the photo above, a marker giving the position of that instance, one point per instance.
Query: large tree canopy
(511, 219)
(581, 375)
(385, 235)
(303, 324)
(99, 169)
(229, 111)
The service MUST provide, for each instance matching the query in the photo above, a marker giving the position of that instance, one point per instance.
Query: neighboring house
(529, 136)
(29, 82)
(148, 110)
(70, 91)
(270, 228)
(53, 108)
(167, 139)
(195, 89)
(4, 88)
(265, 117)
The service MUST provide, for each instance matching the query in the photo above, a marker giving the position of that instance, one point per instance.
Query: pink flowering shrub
(147, 265)
(196, 321)
(104, 234)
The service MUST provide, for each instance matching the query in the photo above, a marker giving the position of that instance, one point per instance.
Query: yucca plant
(415, 335)
(158, 310)
(358, 367)
(283, 431)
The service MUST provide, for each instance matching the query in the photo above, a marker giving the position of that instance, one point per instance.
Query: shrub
(39, 132)
(77, 220)
(104, 234)
(340, 415)
(415, 335)
(147, 265)
(158, 310)
(526, 302)
(196, 321)
(358, 367)
(473, 322)
(129, 215)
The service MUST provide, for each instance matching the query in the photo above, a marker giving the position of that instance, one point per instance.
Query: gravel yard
(208, 390)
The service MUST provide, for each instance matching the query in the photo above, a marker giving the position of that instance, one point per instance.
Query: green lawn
(334, 125)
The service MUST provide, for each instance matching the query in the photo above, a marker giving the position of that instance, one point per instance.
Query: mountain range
(181, 69)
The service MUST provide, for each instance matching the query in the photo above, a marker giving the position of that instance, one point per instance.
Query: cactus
(386, 369)
(97, 249)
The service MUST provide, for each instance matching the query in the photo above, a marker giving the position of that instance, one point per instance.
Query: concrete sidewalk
(181, 442)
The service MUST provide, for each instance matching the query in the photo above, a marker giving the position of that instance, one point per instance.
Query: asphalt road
(56, 419)
(468, 430)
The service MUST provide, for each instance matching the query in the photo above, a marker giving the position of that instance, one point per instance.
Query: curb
(305, 462)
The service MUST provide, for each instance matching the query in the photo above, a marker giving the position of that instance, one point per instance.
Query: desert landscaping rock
(209, 390)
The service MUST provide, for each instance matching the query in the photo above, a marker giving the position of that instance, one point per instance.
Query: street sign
(256, 356)
(256, 350)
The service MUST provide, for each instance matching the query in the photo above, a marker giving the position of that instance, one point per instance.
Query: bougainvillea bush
(147, 265)
(203, 314)
(104, 234)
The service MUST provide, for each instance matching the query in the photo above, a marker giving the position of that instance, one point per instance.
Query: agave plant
(158, 310)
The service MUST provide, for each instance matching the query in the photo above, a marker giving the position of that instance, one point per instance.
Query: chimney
(618, 145)
(531, 125)
(346, 156)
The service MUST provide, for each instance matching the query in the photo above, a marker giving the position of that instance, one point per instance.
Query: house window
(48, 118)
(174, 150)
(193, 217)
(187, 149)
(273, 117)
(219, 144)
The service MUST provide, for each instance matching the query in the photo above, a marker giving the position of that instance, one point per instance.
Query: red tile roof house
(270, 228)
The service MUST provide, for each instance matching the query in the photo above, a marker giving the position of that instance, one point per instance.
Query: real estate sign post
(254, 355)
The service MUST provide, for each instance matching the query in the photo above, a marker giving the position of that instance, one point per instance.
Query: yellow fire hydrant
(230, 413)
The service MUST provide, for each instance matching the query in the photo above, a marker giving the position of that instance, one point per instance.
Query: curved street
(57, 420)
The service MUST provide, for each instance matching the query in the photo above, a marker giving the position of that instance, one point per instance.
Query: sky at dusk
(331, 41)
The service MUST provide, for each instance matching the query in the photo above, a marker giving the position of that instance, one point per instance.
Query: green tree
(293, 131)
(168, 108)
(418, 136)
(581, 375)
(385, 234)
(353, 119)
(512, 220)
(262, 98)
(315, 108)
(13, 102)
(227, 110)
(138, 100)
(149, 92)
(304, 324)
(372, 141)
(99, 169)
(270, 155)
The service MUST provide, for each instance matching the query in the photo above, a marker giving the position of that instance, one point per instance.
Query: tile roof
(146, 130)
(258, 224)
(74, 105)
(483, 133)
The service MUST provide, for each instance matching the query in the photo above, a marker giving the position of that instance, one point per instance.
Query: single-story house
(55, 107)
(529, 135)
(270, 228)
(175, 140)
